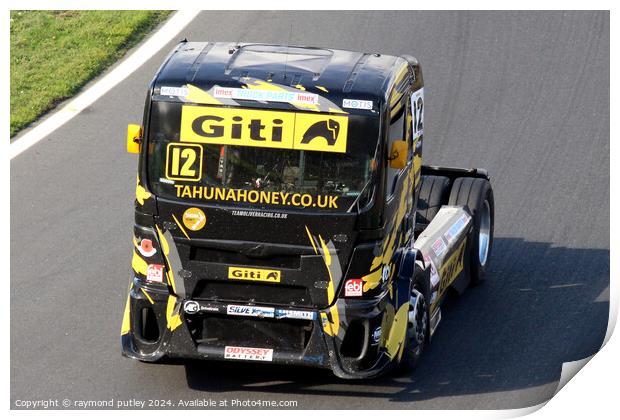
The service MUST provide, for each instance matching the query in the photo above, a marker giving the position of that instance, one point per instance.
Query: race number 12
(184, 161)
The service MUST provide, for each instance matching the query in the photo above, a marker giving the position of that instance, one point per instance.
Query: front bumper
(348, 337)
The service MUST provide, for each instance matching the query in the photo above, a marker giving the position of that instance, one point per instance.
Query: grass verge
(55, 53)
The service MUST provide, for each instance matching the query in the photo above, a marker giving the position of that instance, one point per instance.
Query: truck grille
(282, 334)
(256, 293)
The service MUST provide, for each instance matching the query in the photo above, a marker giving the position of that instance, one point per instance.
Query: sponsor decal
(294, 314)
(385, 274)
(457, 227)
(261, 128)
(194, 218)
(184, 161)
(255, 274)
(433, 298)
(418, 145)
(191, 307)
(357, 104)
(417, 112)
(257, 311)
(155, 272)
(265, 95)
(166, 181)
(256, 197)
(264, 214)
(173, 91)
(248, 353)
(353, 287)
(146, 248)
(434, 275)
(376, 335)
(221, 163)
(439, 247)
(452, 267)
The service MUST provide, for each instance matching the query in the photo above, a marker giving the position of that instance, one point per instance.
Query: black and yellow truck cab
(283, 215)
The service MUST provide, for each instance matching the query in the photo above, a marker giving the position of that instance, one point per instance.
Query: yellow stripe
(335, 319)
(180, 227)
(372, 280)
(398, 331)
(138, 264)
(162, 240)
(125, 326)
(174, 320)
(322, 88)
(141, 193)
(200, 96)
(148, 297)
(311, 240)
(327, 259)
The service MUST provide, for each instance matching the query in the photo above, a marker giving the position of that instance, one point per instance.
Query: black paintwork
(344, 74)
(356, 237)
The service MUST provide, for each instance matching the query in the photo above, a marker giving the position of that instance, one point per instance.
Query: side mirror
(398, 154)
(134, 138)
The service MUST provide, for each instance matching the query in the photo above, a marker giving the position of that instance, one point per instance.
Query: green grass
(55, 53)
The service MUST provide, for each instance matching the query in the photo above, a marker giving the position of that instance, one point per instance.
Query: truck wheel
(477, 194)
(417, 324)
(433, 193)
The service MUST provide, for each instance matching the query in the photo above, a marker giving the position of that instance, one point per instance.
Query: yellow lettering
(196, 192)
(230, 196)
(220, 194)
(261, 128)
(253, 196)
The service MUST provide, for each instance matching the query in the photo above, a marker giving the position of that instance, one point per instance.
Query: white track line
(158, 40)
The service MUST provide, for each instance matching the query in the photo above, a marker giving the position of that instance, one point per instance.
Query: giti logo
(327, 129)
(255, 274)
(260, 128)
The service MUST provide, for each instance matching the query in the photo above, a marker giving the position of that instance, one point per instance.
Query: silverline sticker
(257, 311)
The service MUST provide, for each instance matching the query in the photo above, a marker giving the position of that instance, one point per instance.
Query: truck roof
(330, 73)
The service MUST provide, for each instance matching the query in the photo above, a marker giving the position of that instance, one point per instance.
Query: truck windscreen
(260, 158)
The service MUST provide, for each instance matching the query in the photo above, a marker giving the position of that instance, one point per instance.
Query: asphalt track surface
(523, 94)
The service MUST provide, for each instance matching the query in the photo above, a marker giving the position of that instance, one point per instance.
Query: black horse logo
(327, 129)
(272, 276)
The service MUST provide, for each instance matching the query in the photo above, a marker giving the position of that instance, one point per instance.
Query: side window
(396, 132)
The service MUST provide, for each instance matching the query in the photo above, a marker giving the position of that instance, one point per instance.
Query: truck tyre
(433, 194)
(417, 324)
(477, 195)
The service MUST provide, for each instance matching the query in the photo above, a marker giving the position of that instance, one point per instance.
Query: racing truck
(283, 214)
